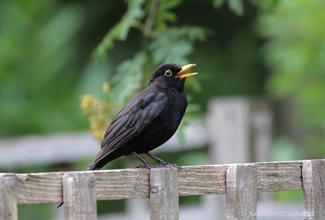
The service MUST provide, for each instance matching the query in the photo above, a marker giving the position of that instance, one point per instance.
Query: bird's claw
(59, 205)
(142, 166)
(161, 165)
(165, 164)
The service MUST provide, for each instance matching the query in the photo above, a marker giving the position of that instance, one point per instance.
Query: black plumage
(148, 120)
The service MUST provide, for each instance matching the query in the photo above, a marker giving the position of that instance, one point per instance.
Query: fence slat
(79, 196)
(122, 184)
(202, 180)
(240, 182)
(35, 188)
(279, 176)
(241, 192)
(164, 194)
(313, 174)
(8, 201)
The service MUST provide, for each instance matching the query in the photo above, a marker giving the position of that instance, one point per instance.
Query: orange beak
(184, 68)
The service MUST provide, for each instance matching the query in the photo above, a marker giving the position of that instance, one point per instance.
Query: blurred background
(67, 67)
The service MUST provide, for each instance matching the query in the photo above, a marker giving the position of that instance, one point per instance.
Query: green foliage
(237, 6)
(192, 33)
(176, 43)
(120, 31)
(163, 14)
(127, 80)
(218, 3)
(170, 48)
(266, 5)
(161, 43)
(295, 53)
(131, 17)
(37, 51)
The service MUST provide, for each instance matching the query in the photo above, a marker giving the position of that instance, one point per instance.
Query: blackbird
(148, 120)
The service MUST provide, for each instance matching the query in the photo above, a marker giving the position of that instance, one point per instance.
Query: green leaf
(107, 43)
(120, 31)
(218, 3)
(127, 80)
(170, 4)
(164, 15)
(266, 5)
(169, 16)
(134, 13)
(236, 6)
(295, 54)
(167, 47)
(193, 33)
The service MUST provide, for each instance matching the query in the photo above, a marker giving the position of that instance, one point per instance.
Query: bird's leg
(163, 163)
(59, 205)
(146, 163)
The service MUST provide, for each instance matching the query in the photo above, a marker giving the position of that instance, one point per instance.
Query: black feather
(147, 121)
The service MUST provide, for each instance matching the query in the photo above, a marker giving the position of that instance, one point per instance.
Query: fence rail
(240, 182)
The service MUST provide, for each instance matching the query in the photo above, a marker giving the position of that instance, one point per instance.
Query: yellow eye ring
(168, 73)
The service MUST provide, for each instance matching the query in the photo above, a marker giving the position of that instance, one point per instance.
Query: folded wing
(131, 121)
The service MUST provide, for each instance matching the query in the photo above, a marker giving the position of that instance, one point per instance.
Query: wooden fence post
(261, 131)
(241, 192)
(164, 194)
(228, 124)
(79, 196)
(8, 200)
(313, 184)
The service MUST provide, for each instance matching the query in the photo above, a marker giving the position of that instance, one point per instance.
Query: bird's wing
(131, 121)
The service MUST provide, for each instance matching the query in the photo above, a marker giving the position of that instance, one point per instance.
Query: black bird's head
(169, 75)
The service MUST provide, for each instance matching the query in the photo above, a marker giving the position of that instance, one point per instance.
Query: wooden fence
(240, 182)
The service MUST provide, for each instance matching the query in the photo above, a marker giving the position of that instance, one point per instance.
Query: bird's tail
(94, 166)
(98, 164)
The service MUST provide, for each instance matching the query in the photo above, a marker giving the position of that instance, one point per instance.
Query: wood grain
(79, 196)
(36, 188)
(201, 180)
(122, 184)
(279, 176)
(241, 192)
(8, 201)
(313, 173)
(164, 204)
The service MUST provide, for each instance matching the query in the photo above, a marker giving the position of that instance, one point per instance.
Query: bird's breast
(170, 118)
(163, 127)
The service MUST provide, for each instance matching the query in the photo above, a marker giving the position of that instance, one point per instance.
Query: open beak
(184, 68)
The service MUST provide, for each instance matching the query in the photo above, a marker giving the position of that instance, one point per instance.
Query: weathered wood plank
(134, 183)
(36, 188)
(79, 196)
(122, 184)
(241, 192)
(164, 204)
(200, 180)
(279, 176)
(313, 173)
(8, 201)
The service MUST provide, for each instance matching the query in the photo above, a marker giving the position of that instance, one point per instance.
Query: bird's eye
(168, 73)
